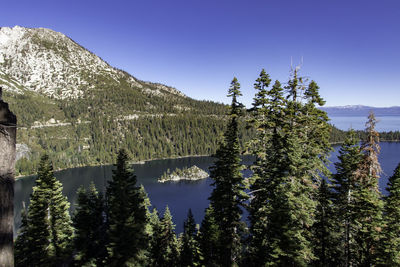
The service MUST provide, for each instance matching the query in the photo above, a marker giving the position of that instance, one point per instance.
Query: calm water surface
(179, 196)
(385, 123)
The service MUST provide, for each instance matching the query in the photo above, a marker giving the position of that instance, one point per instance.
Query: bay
(179, 196)
(385, 123)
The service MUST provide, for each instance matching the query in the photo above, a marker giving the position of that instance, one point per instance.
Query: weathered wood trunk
(7, 162)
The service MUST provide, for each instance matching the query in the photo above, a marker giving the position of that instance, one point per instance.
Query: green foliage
(392, 216)
(368, 203)
(103, 120)
(192, 173)
(291, 146)
(228, 194)
(345, 185)
(21, 248)
(209, 237)
(327, 238)
(164, 250)
(297, 218)
(46, 233)
(267, 118)
(190, 254)
(90, 227)
(126, 216)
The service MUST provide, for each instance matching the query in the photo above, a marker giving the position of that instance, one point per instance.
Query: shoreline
(144, 161)
(98, 165)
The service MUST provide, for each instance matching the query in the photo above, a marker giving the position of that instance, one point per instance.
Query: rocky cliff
(7, 160)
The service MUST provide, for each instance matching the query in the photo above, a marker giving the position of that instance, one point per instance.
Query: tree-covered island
(193, 173)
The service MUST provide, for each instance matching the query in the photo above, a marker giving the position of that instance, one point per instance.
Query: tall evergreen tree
(368, 203)
(208, 238)
(190, 251)
(228, 193)
(344, 185)
(392, 215)
(267, 119)
(287, 173)
(126, 216)
(22, 252)
(90, 228)
(164, 251)
(47, 230)
(326, 241)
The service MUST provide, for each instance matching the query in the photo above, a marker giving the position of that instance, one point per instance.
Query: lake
(179, 196)
(385, 123)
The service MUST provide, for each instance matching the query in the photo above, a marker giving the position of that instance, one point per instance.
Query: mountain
(361, 111)
(75, 106)
(48, 62)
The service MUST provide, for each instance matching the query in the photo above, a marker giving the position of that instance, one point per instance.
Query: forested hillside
(80, 110)
(298, 212)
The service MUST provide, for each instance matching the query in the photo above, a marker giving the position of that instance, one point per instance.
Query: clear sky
(351, 48)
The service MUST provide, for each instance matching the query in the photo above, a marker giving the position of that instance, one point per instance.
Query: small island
(193, 173)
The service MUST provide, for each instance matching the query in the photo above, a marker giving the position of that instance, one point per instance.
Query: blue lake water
(179, 196)
(385, 123)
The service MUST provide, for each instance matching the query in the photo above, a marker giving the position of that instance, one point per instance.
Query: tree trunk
(7, 162)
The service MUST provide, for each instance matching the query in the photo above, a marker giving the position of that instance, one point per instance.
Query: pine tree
(126, 216)
(326, 242)
(228, 193)
(208, 238)
(344, 185)
(47, 230)
(61, 229)
(267, 119)
(392, 215)
(190, 252)
(21, 244)
(290, 160)
(164, 251)
(153, 222)
(152, 226)
(368, 204)
(90, 228)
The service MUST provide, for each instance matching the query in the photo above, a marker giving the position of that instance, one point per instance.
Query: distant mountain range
(361, 111)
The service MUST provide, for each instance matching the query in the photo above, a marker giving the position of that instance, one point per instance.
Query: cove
(179, 196)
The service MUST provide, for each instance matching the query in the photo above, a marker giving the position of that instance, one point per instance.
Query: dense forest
(299, 214)
(96, 125)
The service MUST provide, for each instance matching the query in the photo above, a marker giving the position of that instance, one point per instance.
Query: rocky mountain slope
(48, 62)
(79, 109)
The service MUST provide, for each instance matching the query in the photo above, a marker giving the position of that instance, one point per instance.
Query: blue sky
(351, 48)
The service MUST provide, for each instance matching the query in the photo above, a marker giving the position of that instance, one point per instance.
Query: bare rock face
(8, 128)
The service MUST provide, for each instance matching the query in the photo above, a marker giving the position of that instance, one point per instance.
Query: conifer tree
(368, 204)
(228, 193)
(21, 244)
(126, 216)
(151, 228)
(287, 172)
(47, 230)
(344, 185)
(190, 250)
(208, 238)
(153, 223)
(326, 242)
(392, 215)
(164, 251)
(90, 228)
(267, 119)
